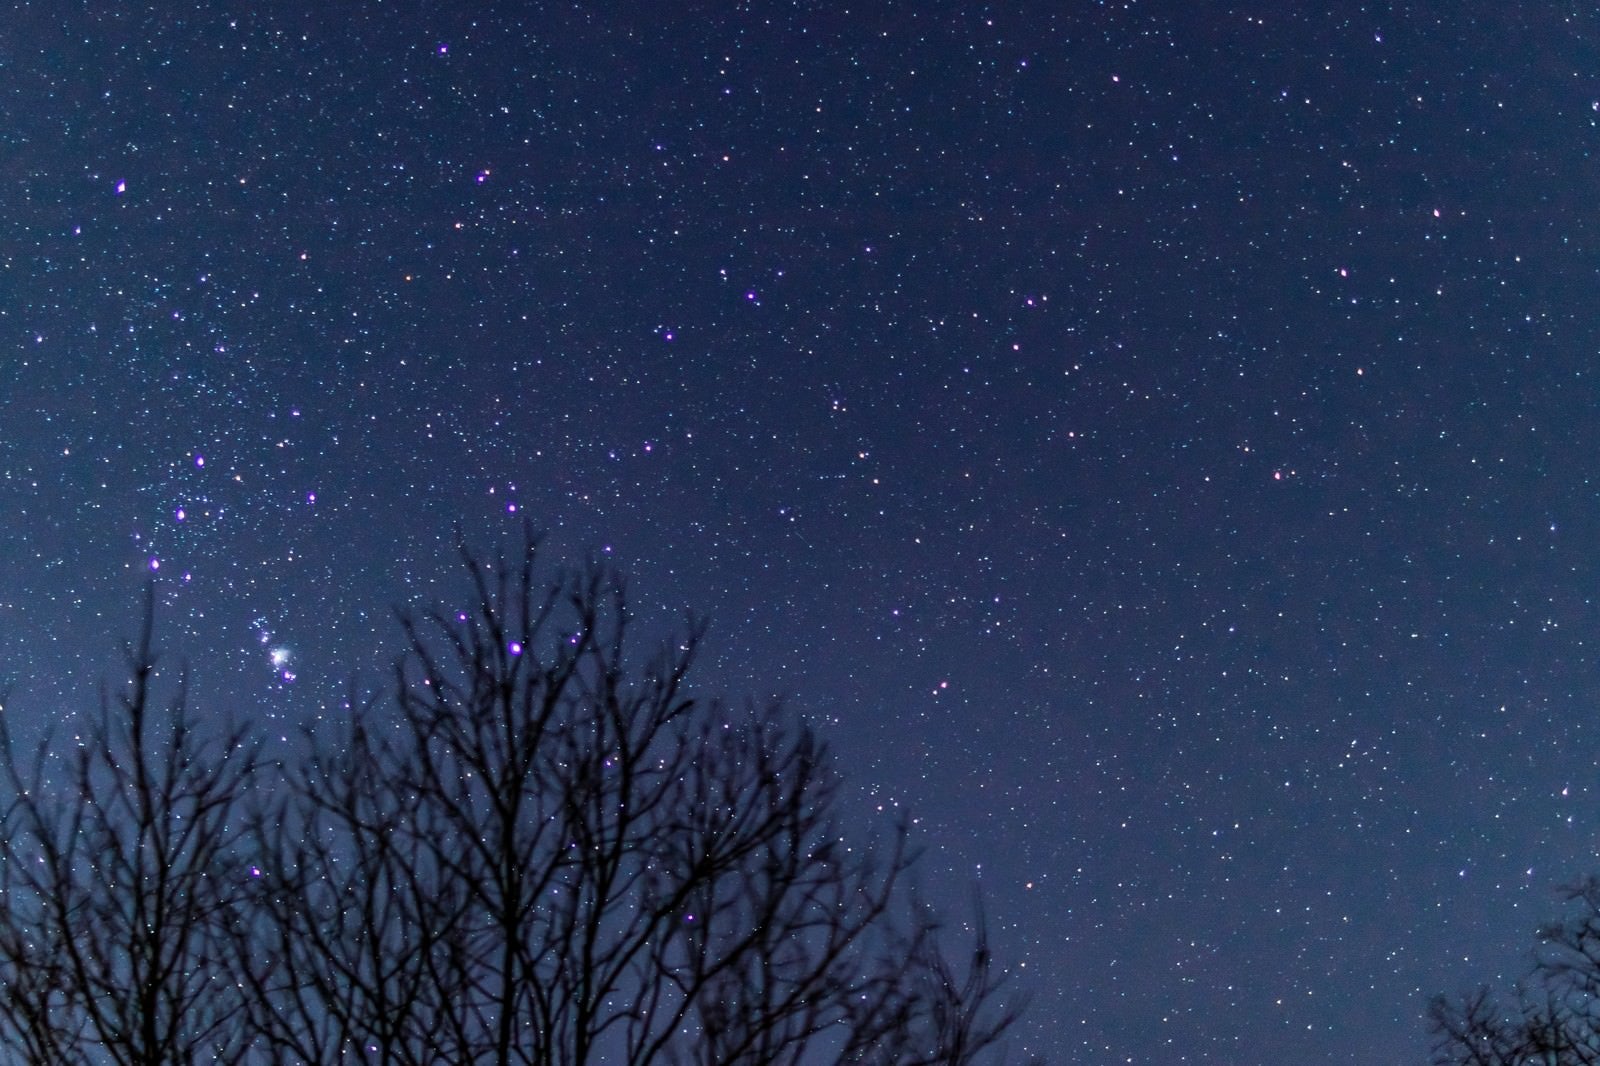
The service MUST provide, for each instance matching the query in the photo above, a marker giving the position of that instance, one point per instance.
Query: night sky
(1153, 441)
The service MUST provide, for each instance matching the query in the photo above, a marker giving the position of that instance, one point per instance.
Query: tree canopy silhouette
(118, 906)
(539, 849)
(1551, 1018)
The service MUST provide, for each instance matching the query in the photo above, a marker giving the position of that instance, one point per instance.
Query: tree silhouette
(117, 900)
(1553, 1017)
(534, 852)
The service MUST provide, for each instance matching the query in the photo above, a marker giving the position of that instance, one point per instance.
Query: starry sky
(1152, 440)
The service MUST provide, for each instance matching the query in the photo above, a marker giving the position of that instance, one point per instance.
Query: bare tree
(117, 893)
(538, 856)
(539, 851)
(1553, 1017)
